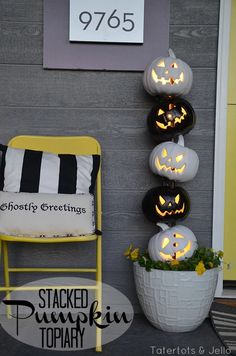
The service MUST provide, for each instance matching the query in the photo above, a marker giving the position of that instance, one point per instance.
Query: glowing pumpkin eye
(162, 200)
(177, 198)
(160, 112)
(178, 236)
(161, 64)
(179, 158)
(165, 242)
(174, 65)
(164, 153)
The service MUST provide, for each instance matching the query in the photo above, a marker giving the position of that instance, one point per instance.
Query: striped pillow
(42, 172)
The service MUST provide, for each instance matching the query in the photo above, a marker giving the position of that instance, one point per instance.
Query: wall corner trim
(220, 133)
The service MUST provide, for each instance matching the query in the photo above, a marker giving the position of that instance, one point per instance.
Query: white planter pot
(175, 301)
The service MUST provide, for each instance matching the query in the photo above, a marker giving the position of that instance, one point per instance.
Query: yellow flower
(211, 264)
(134, 254)
(128, 251)
(200, 268)
(221, 254)
(174, 263)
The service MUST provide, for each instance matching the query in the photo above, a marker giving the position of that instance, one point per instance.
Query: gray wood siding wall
(111, 106)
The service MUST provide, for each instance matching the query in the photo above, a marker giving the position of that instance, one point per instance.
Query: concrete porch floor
(142, 339)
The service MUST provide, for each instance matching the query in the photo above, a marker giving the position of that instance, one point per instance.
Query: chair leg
(6, 275)
(99, 291)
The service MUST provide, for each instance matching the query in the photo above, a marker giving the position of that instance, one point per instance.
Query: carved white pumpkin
(168, 76)
(172, 243)
(174, 161)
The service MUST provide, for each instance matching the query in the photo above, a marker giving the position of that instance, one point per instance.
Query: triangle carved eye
(177, 198)
(162, 200)
(179, 158)
(161, 64)
(179, 236)
(160, 112)
(164, 153)
(165, 242)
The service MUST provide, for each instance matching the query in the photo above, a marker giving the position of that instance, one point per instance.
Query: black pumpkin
(170, 118)
(166, 204)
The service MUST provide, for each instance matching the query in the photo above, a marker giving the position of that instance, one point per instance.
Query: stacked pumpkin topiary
(175, 280)
(167, 78)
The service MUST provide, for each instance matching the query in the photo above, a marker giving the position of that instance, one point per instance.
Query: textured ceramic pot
(175, 301)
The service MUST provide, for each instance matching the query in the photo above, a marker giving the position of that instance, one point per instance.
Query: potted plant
(176, 295)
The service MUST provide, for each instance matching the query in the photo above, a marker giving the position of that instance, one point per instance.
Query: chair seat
(84, 238)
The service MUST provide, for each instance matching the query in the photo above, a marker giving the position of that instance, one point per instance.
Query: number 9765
(99, 18)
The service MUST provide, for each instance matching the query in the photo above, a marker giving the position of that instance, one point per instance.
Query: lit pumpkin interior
(172, 118)
(163, 166)
(165, 80)
(178, 254)
(162, 202)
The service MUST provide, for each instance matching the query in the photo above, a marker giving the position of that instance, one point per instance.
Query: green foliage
(202, 259)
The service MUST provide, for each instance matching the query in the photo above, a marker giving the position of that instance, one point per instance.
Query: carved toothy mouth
(178, 254)
(169, 168)
(165, 81)
(171, 123)
(172, 212)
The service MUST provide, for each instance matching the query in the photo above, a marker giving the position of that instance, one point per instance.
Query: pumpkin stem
(181, 140)
(163, 226)
(171, 53)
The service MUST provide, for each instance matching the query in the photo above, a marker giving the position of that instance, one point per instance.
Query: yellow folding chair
(79, 145)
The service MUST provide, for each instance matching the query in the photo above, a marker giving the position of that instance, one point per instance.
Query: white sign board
(107, 21)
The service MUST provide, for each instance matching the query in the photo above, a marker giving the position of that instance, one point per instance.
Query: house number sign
(114, 21)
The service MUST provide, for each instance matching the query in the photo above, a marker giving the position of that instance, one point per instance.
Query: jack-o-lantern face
(174, 161)
(175, 243)
(167, 72)
(170, 118)
(168, 75)
(166, 204)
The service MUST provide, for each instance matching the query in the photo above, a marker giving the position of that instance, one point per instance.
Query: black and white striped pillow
(42, 172)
